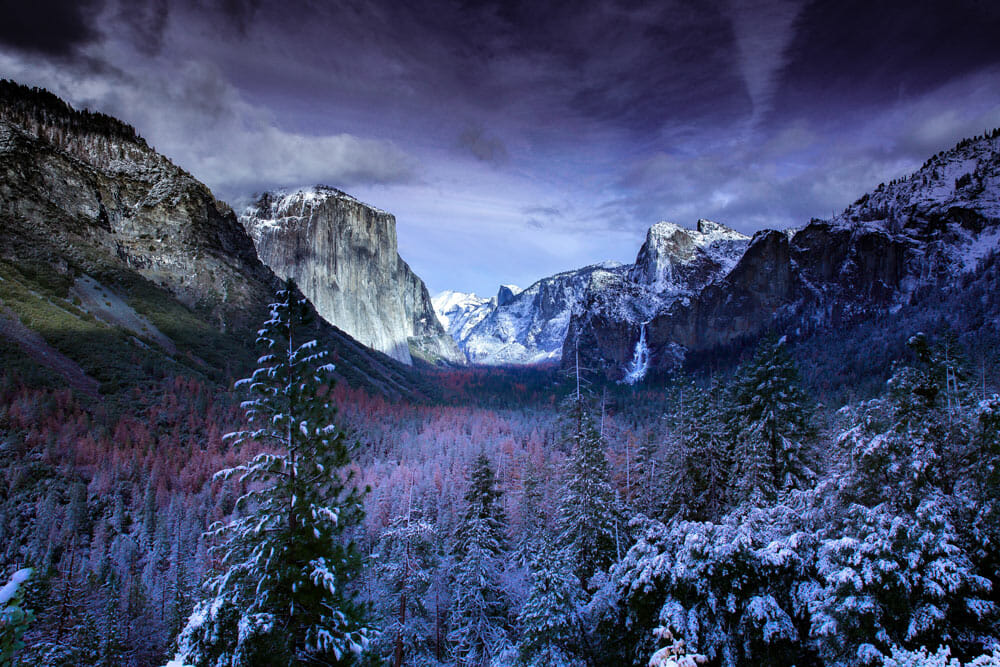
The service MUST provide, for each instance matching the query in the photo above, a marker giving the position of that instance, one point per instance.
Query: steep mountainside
(524, 327)
(122, 263)
(531, 326)
(342, 253)
(458, 312)
(916, 234)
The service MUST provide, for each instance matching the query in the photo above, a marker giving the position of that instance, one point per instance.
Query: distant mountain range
(103, 239)
(530, 326)
(708, 288)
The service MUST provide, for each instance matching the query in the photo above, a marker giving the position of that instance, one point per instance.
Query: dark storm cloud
(543, 68)
(855, 53)
(53, 27)
(532, 136)
(239, 12)
(145, 23)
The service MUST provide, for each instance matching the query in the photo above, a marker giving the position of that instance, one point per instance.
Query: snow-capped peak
(460, 311)
(673, 258)
(296, 203)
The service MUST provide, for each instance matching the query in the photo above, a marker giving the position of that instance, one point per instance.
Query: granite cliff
(916, 235)
(342, 253)
(121, 266)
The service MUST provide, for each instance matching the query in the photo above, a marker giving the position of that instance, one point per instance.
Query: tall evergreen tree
(532, 517)
(771, 426)
(405, 563)
(479, 605)
(281, 596)
(590, 526)
(697, 465)
(549, 621)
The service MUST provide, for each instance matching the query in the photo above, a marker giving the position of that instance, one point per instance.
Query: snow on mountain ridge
(925, 228)
(531, 326)
(674, 260)
(460, 311)
(297, 203)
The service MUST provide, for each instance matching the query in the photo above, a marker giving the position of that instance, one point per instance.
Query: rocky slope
(916, 234)
(711, 289)
(342, 253)
(123, 262)
(518, 327)
(83, 186)
(531, 326)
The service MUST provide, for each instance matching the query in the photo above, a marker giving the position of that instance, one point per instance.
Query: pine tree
(282, 594)
(14, 619)
(113, 647)
(771, 424)
(589, 517)
(549, 620)
(405, 562)
(986, 475)
(479, 606)
(906, 445)
(698, 464)
(532, 516)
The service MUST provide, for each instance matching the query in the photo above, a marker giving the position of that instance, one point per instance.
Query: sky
(514, 140)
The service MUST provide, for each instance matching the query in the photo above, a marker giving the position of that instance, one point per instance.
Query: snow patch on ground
(979, 248)
(10, 589)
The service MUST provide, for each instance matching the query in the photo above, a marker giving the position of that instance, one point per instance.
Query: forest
(724, 519)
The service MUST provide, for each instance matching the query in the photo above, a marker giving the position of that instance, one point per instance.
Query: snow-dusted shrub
(941, 658)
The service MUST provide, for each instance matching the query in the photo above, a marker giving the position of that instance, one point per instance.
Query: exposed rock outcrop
(342, 253)
(100, 233)
(603, 301)
(917, 233)
(87, 187)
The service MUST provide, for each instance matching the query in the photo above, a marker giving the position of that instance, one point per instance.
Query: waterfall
(636, 370)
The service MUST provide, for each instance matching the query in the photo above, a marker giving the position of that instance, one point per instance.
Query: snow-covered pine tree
(904, 445)
(985, 475)
(404, 565)
(479, 605)
(532, 517)
(895, 566)
(697, 463)
(771, 425)
(14, 618)
(591, 531)
(549, 620)
(281, 594)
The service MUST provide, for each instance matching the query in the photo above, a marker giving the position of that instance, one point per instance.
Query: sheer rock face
(342, 253)
(86, 205)
(678, 260)
(916, 234)
(100, 199)
(598, 307)
(672, 267)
